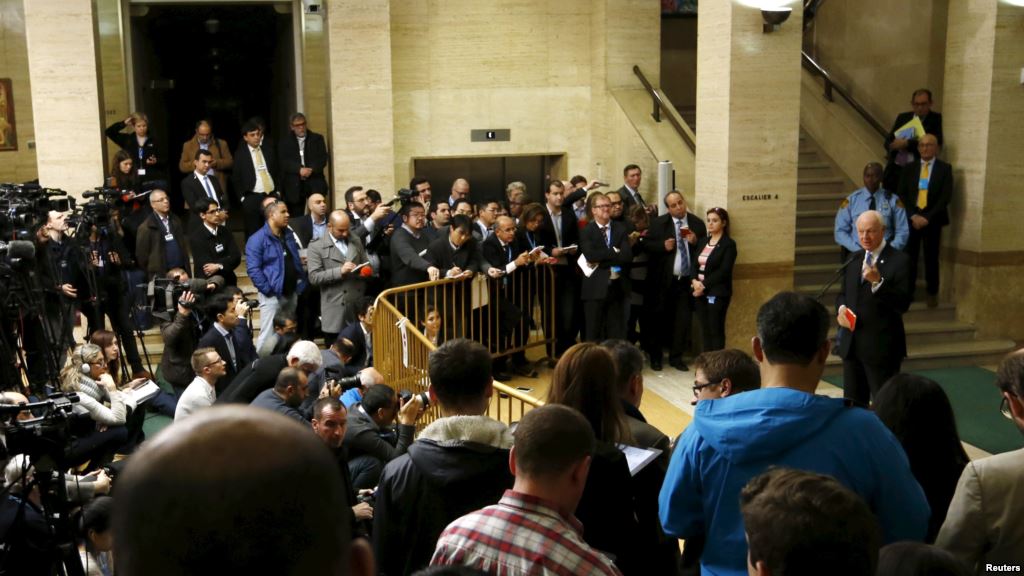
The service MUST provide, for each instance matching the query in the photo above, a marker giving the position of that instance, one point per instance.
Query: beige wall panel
(114, 80)
(65, 93)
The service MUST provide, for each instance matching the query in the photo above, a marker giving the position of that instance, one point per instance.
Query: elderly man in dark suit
(926, 189)
(921, 102)
(332, 262)
(672, 243)
(605, 246)
(876, 289)
(302, 157)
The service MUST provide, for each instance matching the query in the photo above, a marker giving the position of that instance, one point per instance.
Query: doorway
(222, 62)
(488, 175)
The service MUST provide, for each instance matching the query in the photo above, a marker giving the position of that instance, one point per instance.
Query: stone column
(361, 118)
(983, 116)
(748, 111)
(64, 74)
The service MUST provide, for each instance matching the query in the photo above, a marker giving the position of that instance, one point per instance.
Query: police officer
(871, 197)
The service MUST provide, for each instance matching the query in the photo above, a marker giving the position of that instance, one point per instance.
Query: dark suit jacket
(932, 125)
(303, 228)
(718, 270)
(662, 228)
(204, 248)
(193, 191)
(627, 199)
(407, 266)
(256, 377)
(130, 144)
(149, 245)
(940, 191)
(244, 174)
(243, 357)
(354, 332)
(497, 256)
(468, 257)
(295, 189)
(596, 250)
(570, 225)
(878, 336)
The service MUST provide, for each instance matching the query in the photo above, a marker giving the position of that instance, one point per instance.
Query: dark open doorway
(225, 63)
(488, 175)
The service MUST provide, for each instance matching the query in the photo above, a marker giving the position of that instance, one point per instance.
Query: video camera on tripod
(23, 207)
(95, 212)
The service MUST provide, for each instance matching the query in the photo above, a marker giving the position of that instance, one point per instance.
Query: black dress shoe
(679, 365)
(656, 365)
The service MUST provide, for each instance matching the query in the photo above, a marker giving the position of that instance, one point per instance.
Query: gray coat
(338, 294)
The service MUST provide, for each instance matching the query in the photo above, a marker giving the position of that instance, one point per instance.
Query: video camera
(44, 438)
(404, 196)
(95, 212)
(24, 207)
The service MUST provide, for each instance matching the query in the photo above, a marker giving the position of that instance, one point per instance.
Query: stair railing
(660, 105)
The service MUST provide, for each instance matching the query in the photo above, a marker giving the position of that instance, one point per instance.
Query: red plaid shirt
(521, 534)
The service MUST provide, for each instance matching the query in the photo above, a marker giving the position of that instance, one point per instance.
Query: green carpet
(975, 400)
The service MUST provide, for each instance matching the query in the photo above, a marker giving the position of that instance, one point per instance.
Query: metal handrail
(831, 86)
(660, 105)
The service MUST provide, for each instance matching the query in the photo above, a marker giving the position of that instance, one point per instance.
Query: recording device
(23, 207)
(95, 212)
(18, 250)
(43, 438)
(165, 295)
(406, 395)
(404, 196)
(345, 383)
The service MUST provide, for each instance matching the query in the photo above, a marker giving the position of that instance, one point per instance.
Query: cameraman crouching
(181, 333)
(371, 440)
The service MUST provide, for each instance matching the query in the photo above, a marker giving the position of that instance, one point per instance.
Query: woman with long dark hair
(917, 411)
(712, 286)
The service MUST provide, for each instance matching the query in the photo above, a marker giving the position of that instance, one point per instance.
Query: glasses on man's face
(619, 203)
(217, 361)
(213, 211)
(1004, 408)
(602, 206)
(698, 386)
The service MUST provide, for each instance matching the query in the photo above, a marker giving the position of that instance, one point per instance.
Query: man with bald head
(161, 243)
(332, 262)
(219, 493)
(873, 296)
(460, 191)
(926, 187)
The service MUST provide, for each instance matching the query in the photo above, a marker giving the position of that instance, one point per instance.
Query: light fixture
(774, 17)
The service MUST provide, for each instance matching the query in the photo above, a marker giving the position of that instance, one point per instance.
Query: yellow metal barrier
(481, 310)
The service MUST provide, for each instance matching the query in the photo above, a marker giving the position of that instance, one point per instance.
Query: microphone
(836, 276)
(18, 249)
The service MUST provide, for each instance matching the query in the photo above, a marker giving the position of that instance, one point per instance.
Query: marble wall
(19, 165)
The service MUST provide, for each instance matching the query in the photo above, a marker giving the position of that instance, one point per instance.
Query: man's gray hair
(305, 352)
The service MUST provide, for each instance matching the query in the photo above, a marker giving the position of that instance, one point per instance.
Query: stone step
(820, 185)
(820, 201)
(813, 168)
(815, 235)
(816, 218)
(818, 254)
(944, 355)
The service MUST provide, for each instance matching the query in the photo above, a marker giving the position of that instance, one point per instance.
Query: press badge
(922, 184)
(711, 299)
(169, 237)
(218, 248)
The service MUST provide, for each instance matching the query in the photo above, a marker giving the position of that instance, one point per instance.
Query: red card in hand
(851, 318)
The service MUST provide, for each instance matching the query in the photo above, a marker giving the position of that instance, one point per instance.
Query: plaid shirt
(521, 534)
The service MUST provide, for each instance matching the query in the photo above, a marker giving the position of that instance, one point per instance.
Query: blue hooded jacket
(733, 439)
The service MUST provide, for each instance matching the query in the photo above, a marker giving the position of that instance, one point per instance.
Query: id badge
(711, 299)
(169, 237)
(141, 171)
(218, 248)
(922, 184)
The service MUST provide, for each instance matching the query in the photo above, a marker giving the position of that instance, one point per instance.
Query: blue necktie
(209, 190)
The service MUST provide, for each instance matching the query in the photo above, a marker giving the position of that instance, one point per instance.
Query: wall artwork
(8, 135)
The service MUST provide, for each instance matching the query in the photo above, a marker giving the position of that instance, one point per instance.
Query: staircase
(935, 338)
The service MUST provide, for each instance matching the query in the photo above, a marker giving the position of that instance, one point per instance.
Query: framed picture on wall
(8, 135)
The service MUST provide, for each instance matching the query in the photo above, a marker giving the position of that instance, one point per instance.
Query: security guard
(871, 197)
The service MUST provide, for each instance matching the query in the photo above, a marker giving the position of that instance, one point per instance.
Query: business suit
(193, 190)
(454, 299)
(893, 172)
(244, 178)
(505, 311)
(302, 226)
(604, 299)
(628, 200)
(363, 355)
(338, 292)
(675, 314)
(221, 155)
(314, 156)
(214, 248)
(243, 356)
(713, 304)
(940, 192)
(983, 524)
(568, 312)
(152, 245)
(873, 352)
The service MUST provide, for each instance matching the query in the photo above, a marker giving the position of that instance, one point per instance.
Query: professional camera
(95, 212)
(23, 207)
(44, 438)
(165, 295)
(406, 395)
(404, 196)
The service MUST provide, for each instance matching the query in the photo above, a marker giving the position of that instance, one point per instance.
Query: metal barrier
(497, 312)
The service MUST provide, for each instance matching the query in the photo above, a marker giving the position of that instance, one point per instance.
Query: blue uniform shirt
(897, 227)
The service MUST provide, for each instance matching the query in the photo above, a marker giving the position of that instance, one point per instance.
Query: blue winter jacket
(733, 439)
(264, 261)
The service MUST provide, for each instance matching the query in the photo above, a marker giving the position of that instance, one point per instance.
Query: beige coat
(221, 153)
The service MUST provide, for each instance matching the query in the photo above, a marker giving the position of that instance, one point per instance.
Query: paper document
(145, 391)
(638, 458)
(585, 266)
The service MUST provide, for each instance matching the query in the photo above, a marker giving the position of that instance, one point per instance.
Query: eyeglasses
(602, 206)
(217, 361)
(1004, 408)
(215, 211)
(619, 203)
(697, 387)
